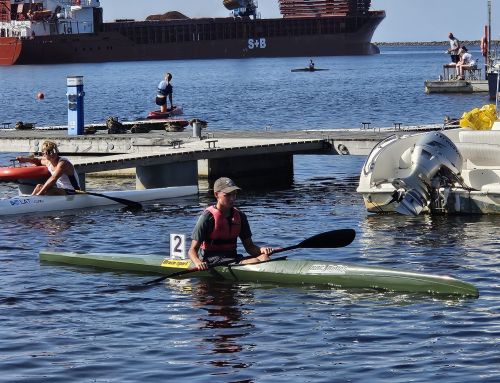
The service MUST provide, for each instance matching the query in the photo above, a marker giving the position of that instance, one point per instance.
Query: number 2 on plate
(178, 246)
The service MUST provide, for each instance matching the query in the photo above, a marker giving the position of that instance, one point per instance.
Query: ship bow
(10, 49)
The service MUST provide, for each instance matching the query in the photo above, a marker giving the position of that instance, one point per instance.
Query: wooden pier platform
(162, 158)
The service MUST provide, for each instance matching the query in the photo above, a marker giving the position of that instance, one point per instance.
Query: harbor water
(65, 324)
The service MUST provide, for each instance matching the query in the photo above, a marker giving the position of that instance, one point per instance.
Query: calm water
(235, 94)
(61, 324)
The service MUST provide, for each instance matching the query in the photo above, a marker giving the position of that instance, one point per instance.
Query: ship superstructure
(31, 18)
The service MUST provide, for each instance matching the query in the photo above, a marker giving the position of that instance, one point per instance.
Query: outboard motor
(432, 153)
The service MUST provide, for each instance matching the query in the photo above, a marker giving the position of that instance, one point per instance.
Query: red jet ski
(156, 114)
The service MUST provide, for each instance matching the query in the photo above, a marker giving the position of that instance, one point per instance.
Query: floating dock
(161, 158)
(447, 82)
(456, 86)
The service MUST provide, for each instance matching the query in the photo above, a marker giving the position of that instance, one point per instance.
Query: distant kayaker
(214, 238)
(165, 90)
(311, 64)
(63, 174)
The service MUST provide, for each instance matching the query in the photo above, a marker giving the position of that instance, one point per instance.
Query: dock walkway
(163, 158)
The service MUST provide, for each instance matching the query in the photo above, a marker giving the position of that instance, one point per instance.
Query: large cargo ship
(71, 31)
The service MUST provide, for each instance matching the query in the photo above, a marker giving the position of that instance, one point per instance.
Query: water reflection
(425, 230)
(439, 241)
(53, 227)
(225, 320)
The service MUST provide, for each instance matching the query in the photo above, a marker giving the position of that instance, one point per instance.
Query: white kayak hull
(26, 204)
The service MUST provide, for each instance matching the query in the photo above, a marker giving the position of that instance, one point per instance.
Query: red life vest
(224, 235)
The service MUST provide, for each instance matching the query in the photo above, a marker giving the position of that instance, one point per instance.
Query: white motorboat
(25, 204)
(453, 171)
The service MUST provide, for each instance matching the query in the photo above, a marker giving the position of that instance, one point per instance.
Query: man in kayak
(63, 176)
(215, 235)
(165, 90)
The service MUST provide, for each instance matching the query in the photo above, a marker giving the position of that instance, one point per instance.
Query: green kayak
(284, 271)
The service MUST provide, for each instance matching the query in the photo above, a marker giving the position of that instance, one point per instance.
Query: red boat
(10, 49)
(32, 33)
(14, 173)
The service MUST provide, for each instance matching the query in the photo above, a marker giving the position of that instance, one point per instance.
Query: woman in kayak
(165, 90)
(215, 235)
(63, 176)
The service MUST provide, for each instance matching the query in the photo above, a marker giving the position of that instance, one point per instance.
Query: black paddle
(329, 239)
(131, 204)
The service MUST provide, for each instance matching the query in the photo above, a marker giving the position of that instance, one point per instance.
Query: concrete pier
(163, 158)
(274, 168)
(180, 173)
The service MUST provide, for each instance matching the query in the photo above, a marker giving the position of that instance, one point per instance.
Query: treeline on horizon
(433, 43)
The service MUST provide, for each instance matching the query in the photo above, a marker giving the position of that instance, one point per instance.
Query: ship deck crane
(242, 8)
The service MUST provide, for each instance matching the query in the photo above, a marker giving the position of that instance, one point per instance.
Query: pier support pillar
(159, 176)
(255, 171)
(81, 178)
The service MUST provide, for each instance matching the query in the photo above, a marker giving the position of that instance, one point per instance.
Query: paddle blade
(329, 239)
(130, 204)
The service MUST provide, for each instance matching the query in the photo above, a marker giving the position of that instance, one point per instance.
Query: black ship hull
(185, 40)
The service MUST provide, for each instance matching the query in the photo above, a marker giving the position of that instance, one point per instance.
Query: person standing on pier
(454, 48)
(63, 176)
(214, 238)
(165, 90)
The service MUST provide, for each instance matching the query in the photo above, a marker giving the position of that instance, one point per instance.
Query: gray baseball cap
(225, 185)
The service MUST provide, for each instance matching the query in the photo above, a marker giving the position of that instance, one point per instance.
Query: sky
(406, 20)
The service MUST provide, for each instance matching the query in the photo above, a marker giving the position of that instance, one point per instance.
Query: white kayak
(25, 204)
